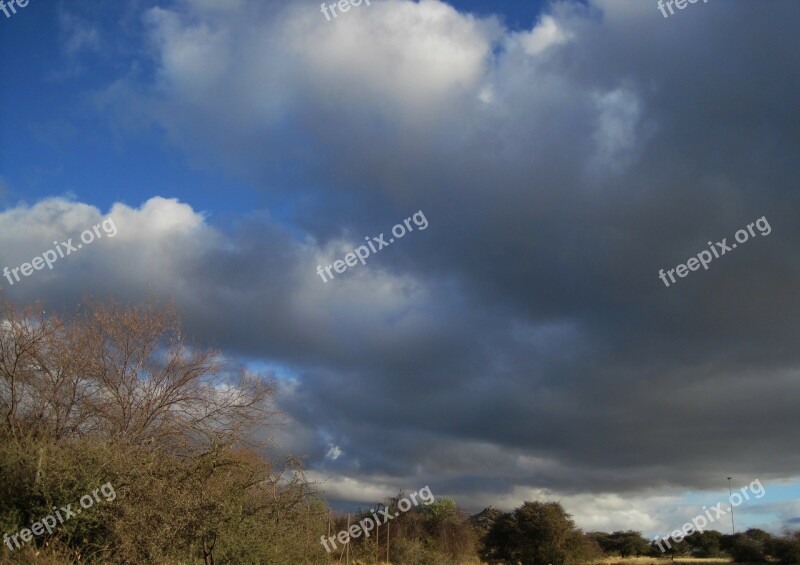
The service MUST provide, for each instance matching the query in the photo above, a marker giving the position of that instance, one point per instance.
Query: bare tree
(23, 336)
(123, 373)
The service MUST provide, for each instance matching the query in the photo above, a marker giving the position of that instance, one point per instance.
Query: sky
(540, 330)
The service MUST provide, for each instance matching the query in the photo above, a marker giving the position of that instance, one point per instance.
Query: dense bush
(625, 544)
(746, 550)
(785, 550)
(537, 532)
(435, 533)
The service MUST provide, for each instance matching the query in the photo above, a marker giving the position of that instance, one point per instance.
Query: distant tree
(746, 549)
(447, 531)
(441, 510)
(705, 544)
(758, 535)
(627, 544)
(436, 533)
(497, 543)
(603, 540)
(726, 542)
(786, 550)
(592, 550)
(537, 532)
(670, 548)
(545, 532)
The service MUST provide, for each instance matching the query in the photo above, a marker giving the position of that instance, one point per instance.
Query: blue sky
(523, 346)
(48, 108)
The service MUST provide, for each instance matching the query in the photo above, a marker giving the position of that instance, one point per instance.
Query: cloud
(545, 35)
(523, 343)
(79, 35)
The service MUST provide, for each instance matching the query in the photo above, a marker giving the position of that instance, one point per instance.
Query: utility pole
(730, 499)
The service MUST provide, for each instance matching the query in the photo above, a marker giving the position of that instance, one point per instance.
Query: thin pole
(387, 542)
(348, 541)
(730, 499)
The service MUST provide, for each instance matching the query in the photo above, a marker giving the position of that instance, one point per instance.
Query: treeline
(150, 440)
(752, 546)
(542, 533)
(436, 533)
